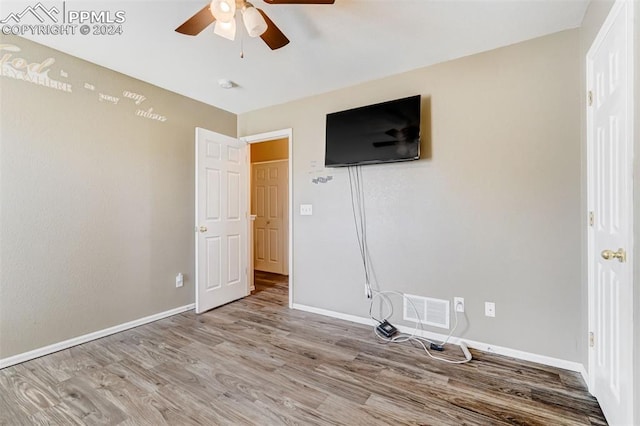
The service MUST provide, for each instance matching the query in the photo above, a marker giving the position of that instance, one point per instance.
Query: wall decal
(151, 115)
(16, 65)
(19, 68)
(321, 179)
(138, 98)
(108, 98)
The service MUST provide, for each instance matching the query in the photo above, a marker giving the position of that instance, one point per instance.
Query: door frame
(264, 137)
(606, 26)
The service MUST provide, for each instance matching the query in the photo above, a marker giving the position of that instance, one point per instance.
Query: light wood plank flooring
(255, 361)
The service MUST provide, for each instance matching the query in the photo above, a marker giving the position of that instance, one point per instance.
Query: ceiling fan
(255, 20)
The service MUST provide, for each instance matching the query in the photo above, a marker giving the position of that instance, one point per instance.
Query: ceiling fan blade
(197, 23)
(299, 1)
(274, 38)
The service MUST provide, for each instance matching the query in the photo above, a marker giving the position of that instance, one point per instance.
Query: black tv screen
(380, 133)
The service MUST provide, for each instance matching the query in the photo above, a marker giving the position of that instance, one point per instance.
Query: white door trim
(263, 137)
(615, 10)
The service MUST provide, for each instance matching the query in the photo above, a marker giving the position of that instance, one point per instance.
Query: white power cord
(356, 189)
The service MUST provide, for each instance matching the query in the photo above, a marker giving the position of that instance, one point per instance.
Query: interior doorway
(269, 157)
(269, 193)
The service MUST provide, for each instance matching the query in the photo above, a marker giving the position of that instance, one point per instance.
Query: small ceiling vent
(434, 312)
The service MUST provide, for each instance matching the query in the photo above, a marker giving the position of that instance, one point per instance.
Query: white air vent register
(430, 311)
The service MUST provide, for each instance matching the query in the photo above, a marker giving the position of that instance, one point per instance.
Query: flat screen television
(380, 133)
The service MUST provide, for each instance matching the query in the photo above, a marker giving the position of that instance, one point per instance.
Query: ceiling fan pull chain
(241, 44)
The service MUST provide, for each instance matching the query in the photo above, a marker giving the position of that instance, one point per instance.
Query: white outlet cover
(457, 300)
(306, 209)
(490, 309)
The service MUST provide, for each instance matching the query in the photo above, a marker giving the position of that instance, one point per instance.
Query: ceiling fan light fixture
(226, 29)
(253, 21)
(223, 10)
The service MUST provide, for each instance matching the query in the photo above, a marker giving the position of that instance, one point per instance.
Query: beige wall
(97, 203)
(492, 214)
(270, 151)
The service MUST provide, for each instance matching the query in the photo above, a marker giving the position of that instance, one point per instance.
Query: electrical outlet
(489, 309)
(458, 304)
(179, 280)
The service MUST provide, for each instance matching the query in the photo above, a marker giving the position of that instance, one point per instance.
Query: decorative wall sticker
(321, 179)
(17, 65)
(151, 115)
(19, 68)
(137, 98)
(108, 98)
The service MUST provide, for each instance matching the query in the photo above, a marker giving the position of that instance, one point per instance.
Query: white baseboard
(500, 350)
(333, 314)
(585, 376)
(37, 353)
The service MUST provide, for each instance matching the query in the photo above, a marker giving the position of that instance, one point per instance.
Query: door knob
(621, 255)
(203, 229)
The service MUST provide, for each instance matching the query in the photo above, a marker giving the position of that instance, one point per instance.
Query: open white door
(610, 141)
(221, 220)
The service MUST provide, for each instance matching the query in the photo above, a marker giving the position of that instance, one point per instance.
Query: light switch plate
(306, 209)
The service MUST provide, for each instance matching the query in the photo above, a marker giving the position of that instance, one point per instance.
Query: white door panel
(610, 171)
(269, 199)
(221, 220)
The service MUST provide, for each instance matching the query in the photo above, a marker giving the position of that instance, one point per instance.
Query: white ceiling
(332, 46)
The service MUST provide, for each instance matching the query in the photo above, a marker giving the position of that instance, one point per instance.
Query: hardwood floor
(254, 361)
